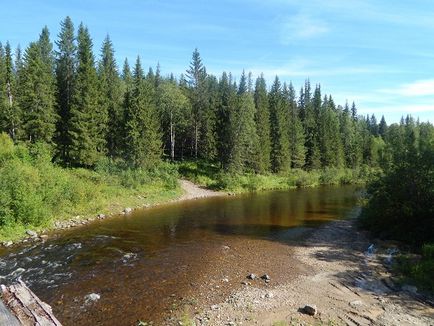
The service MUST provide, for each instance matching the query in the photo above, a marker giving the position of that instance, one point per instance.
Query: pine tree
(262, 118)
(111, 99)
(373, 125)
(280, 156)
(37, 91)
(87, 127)
(65, 76)
(143, 140)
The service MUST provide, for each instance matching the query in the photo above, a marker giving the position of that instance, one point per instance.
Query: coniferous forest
(81, 126)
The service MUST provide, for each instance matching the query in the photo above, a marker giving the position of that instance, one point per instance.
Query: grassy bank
(34, 192)
(211, 176)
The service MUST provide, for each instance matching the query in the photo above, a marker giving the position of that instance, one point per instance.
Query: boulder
(310, 309)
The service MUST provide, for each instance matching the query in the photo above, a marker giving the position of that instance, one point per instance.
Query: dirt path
(193, 191)
(333, 272)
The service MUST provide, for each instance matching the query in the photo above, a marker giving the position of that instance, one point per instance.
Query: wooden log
(27, 307)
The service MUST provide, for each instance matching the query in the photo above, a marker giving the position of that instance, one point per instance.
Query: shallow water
(136, 263)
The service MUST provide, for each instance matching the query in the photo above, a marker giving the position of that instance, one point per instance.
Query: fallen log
(28, 309)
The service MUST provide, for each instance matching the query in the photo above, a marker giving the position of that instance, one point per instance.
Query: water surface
(138, 263)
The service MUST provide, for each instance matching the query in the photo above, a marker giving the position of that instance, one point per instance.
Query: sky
(379, 54)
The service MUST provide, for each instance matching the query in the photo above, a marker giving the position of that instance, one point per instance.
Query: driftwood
(28, 309)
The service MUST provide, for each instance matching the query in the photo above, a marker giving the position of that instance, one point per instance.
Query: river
(147, 264)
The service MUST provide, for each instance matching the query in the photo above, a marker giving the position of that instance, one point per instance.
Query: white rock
(92, 297)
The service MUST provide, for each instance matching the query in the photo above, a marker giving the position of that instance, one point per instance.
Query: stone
(215, 307)
(92, 297)
(101, 216)
(128, 210)
(31, 233)
(265, 277)
(310, 309)
(269, 295)
(226, 247)
(356, 303)
(251, 276)
(8, 243)
(245, 283)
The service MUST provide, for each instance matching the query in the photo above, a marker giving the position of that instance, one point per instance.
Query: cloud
(301, 27)
(417, 88)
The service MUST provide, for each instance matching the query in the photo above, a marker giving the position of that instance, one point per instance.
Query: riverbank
(331, 269)
(186, 190)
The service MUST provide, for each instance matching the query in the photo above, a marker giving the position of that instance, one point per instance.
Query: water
(138, 263)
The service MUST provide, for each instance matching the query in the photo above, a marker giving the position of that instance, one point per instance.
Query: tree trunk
(172, 138)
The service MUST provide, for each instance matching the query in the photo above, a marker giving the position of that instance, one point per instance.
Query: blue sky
(378, 53)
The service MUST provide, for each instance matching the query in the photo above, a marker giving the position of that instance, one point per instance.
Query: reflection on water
(135, 262)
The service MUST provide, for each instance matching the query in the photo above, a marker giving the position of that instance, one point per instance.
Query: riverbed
(156, 262)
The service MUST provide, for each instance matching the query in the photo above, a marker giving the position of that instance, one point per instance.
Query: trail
(193, 191)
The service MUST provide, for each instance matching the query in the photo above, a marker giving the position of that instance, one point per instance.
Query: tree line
(87, 110)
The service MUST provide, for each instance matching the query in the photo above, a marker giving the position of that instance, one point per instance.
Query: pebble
(265, 277)
(251, 276)
(128, 210)
(31, 233)
(8, 243)
(92, 297)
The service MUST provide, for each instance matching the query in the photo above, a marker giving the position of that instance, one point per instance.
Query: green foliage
(33, 190)
(142, 144)
(418, 270)
(88, 120)
(401, 200)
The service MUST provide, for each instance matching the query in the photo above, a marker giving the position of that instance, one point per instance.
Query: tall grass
(209, 175)
(34, 191)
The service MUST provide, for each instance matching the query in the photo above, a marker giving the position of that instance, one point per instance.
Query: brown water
(139, 263)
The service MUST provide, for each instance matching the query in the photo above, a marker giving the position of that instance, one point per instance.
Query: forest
(73, 121)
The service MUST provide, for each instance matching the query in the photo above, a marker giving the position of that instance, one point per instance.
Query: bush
(33, 190)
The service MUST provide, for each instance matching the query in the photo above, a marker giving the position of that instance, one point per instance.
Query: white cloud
(417, 88)
(300, 27)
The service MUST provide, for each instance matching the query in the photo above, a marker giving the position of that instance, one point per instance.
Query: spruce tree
(203, 128)
(111, 97)
(262, 119)
(382, 127)
(65, 77)
(296, 133)
(142, 136)
(37, 98)
(280, 155)
(10, 115)
(226, 105)
(87, 127)
(311, 127)
(244, 142)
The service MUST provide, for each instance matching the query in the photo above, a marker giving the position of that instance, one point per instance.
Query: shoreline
(331, 269)
(190, 191)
